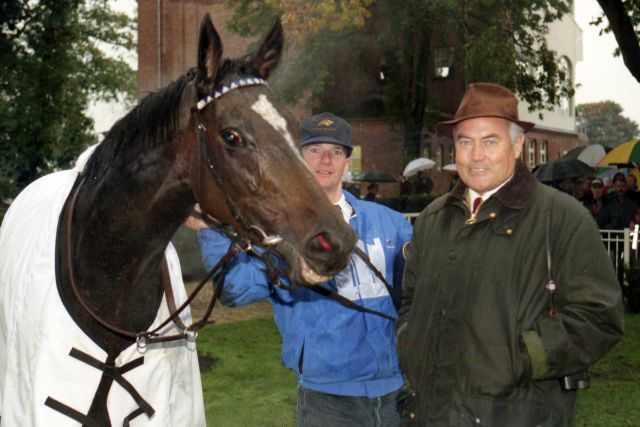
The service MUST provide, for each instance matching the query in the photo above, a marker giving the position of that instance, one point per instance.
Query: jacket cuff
(536, 354)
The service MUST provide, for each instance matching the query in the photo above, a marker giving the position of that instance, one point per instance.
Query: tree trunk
(413, 123)
(622, 28)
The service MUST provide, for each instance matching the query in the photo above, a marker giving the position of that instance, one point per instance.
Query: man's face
(620, 186)
(596, 191)
(485, 156)
(328, 163)
(631, 181)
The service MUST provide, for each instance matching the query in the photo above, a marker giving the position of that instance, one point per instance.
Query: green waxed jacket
(476, 338)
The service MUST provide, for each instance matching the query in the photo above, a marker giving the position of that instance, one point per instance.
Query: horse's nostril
(324, 242)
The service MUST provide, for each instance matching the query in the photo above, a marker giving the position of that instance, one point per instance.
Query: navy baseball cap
(327, 128)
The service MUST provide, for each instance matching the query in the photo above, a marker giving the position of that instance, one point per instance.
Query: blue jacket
(332, 348)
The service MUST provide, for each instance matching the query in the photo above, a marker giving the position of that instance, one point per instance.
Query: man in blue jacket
(346, 362)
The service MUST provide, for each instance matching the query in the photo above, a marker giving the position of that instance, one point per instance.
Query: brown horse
(215, 136)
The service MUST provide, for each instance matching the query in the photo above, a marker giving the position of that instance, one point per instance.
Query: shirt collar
(345, 208)
(473, 194)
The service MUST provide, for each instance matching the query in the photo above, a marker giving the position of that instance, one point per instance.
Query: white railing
(621, 245)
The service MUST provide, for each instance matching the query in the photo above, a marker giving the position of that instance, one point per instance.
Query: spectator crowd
(614, 204)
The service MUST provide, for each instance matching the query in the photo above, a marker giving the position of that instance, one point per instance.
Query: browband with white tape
(251, 81)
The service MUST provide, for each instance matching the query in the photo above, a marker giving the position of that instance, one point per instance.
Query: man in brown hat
(509, 294)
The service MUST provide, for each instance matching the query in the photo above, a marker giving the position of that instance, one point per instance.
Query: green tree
(51, 66)
(604, 123)
(502, 41)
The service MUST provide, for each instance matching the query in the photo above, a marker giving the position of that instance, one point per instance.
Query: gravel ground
(222, 314)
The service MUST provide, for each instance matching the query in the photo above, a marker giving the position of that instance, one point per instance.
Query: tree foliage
(339, 56)
(604, 123)
(623, 20)
(51, 66)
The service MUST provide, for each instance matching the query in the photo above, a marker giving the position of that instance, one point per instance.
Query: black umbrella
(375, 176)
(559, 169)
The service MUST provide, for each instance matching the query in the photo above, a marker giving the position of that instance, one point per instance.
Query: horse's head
(248, 170)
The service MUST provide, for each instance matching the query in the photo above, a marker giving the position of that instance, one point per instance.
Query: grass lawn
(614, 396)
(246, 385)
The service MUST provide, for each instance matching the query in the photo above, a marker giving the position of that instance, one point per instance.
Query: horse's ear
(209, 51)
(268, 54)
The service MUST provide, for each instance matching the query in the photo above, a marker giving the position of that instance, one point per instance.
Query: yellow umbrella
(627, 154)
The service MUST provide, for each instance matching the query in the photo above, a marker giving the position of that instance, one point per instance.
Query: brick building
(167, 40)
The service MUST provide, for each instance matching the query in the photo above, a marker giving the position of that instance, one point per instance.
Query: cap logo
(325, 122)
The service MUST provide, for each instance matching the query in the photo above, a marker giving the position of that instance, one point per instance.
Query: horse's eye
(232, 138)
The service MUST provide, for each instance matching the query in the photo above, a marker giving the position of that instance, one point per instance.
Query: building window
(356, 160)
(443, 62)
(531, 153)
(566, 102)
(439, 153)
(452, 154)
(543, 152)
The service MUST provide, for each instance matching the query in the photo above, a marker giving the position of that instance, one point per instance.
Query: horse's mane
(155, 119)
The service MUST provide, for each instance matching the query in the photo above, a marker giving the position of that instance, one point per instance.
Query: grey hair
(515, 130)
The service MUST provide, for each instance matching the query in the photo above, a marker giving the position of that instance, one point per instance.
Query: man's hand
(195, 223)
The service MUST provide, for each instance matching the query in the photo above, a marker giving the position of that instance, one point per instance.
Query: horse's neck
(132, 213)
(121, 227)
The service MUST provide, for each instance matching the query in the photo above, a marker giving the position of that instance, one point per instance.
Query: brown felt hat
(485, 100)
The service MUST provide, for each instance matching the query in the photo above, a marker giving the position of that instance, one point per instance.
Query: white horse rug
(37, 334)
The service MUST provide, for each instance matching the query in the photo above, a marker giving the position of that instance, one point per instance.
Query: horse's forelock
(233, 69)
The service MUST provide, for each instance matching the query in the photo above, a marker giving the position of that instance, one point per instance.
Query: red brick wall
(180, 23)
(381, 150)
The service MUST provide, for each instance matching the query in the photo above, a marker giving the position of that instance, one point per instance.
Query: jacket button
(492, 215)
(452, 255)
(443, 312)
(509, 231)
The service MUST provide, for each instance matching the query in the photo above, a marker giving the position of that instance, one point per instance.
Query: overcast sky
(601, 75)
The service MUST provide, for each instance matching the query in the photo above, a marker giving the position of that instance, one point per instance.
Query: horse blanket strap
(110, 370)
(70, 412)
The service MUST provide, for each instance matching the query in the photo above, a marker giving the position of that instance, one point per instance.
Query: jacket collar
(516, 194)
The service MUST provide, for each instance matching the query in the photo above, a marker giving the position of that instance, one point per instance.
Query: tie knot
(476, 204)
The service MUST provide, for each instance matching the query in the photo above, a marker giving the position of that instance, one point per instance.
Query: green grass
(614, 396)
(248, 386)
